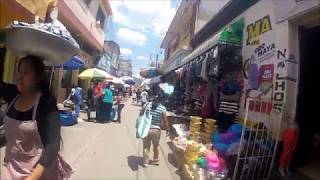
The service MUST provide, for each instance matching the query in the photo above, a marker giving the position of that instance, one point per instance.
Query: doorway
(306, 159)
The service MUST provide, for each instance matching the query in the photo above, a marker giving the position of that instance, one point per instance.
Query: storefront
(270, 93)
(208, 88)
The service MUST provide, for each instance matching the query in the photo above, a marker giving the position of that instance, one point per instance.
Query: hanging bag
(143, 123)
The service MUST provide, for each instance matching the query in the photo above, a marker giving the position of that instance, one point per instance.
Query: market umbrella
(116, 80)
(167, 88)
(95, 73)
(128, 80)
(126, 86)
(150, 72)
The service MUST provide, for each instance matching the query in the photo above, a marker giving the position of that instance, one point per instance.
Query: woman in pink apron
(32, 127)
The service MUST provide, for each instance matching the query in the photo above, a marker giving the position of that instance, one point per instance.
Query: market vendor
(32, 126)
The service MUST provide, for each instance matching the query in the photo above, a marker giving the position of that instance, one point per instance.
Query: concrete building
(109, 58)
(86, 20)
(124, 67)
(191, 16)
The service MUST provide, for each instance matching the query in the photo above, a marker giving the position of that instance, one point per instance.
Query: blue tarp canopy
(73, 64)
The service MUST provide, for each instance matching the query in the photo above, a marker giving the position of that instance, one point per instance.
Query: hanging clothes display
(213, 65)
(203, 73)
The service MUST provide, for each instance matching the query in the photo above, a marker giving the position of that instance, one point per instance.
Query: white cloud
(143, 14)
(143, 58)
(134, 37)
(125, 51)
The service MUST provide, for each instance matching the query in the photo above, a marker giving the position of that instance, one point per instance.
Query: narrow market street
(111, 151)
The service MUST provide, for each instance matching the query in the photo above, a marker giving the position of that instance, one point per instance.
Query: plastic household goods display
(195, 127)
(209, 128)
(192, 153)
(68, 118)
(222, 141)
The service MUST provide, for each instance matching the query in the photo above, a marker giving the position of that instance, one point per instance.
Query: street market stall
(209, 139)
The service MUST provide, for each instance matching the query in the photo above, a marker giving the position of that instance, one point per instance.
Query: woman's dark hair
(155, 103)
(39, 69)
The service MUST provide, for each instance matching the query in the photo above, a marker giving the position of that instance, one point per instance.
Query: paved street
(111, 151)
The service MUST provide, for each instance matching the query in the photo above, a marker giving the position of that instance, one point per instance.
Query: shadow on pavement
(171, 160)
(134, 162)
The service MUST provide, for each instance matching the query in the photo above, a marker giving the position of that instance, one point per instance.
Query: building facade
(278, 53)
(86, 21)
(109, 58)
(124, 67)
(191, 16)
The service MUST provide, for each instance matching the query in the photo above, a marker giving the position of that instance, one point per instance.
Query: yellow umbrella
(95, 73)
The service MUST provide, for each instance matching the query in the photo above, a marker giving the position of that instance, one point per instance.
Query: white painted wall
(285, 18)
(206, 10)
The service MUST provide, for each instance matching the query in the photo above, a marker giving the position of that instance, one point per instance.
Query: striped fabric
(229, 108)
(156, 115)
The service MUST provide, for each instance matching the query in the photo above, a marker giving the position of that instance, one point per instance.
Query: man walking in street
(144, 97)
(90, 100)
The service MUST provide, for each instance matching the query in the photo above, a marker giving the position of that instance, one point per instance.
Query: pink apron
(24, 148)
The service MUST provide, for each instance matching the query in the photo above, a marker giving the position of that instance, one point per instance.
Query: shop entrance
(306, 159)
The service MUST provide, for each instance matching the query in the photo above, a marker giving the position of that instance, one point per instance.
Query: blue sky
(139, 26)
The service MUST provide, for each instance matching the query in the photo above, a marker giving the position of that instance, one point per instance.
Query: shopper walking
(32, 126)
(158, 113)
(98, 100)
(138, 93)
(144, 97)
(107, 102)
(90, 101)
(120, 104)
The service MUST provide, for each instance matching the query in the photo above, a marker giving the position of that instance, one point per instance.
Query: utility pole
(157, 56)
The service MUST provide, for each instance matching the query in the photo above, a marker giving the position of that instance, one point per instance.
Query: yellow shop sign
(258, 28)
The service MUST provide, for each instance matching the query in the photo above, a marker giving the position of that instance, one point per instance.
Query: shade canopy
(95, 73)
(73, 64)
(128, 80)
(116, 80)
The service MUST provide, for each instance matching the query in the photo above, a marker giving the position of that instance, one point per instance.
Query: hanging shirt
(229, 107)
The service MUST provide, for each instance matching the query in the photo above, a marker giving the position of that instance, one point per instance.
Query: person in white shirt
(144, 97)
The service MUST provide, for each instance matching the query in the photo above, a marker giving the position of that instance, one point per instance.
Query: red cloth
(290, 138)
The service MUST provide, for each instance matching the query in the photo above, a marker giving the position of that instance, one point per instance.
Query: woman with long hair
(158, 113)
(32, 126)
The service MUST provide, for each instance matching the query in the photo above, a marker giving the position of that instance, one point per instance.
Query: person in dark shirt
(32, 126)
(90, 101)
